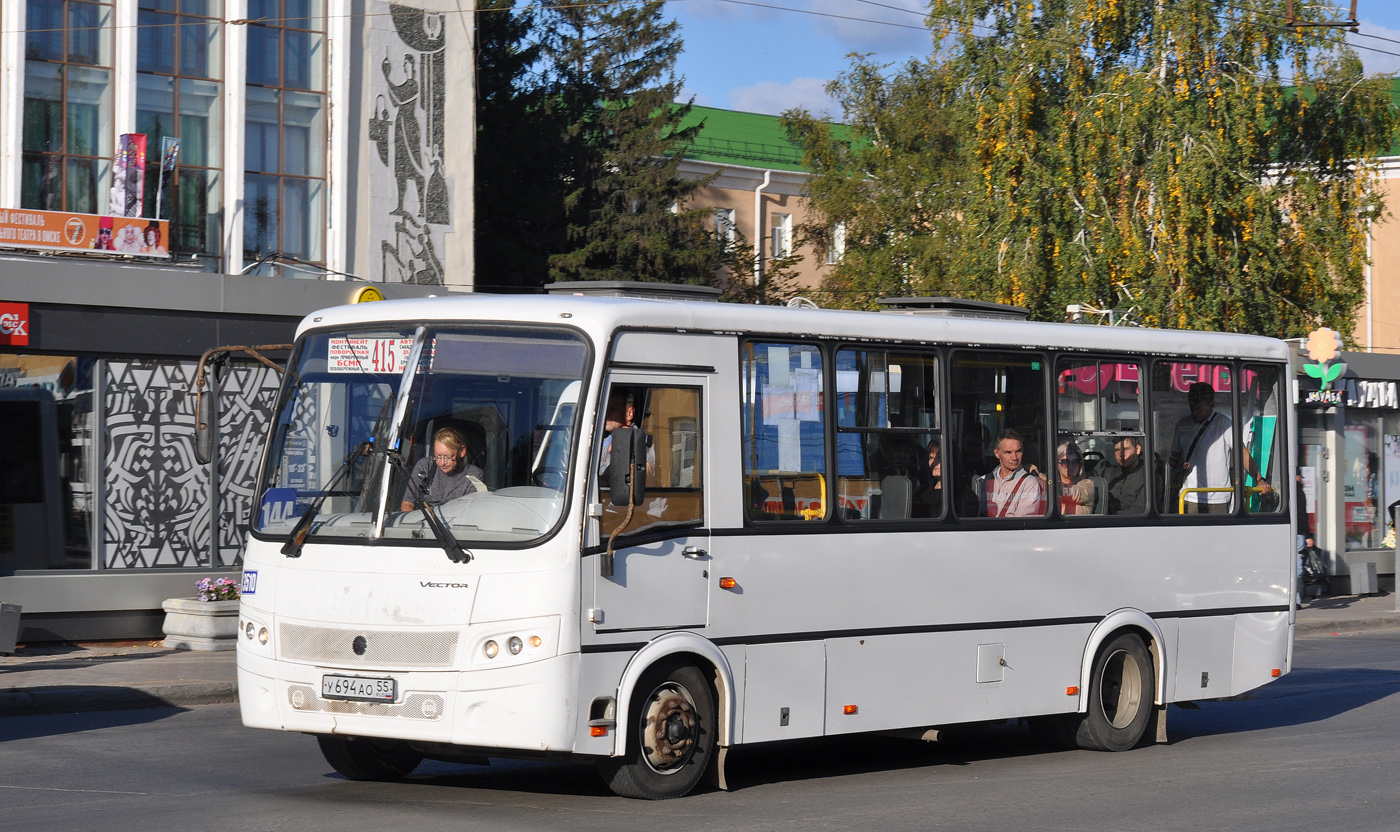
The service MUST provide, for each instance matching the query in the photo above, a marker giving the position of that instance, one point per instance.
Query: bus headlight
(515, 645)
(248, 631)
(263, 635)
(491, 648)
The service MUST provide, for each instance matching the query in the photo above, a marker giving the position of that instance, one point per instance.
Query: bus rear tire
(672, 738)
(1120, 696)
(365, 758)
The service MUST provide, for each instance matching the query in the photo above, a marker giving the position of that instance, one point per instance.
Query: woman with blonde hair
(1076, 490)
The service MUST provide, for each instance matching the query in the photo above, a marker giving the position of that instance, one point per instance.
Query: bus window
(886, 435)
(1264, 439)
(784, 432)
(1098, 453)
(997, 430)
(1194, 436)
(670, 420)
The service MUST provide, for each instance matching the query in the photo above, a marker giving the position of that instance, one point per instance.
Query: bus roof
(600, 316)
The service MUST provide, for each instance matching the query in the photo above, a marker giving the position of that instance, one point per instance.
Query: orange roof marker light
(727, 583)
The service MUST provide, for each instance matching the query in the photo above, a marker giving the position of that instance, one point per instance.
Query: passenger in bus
(1127, 484)
(932, 493)
(1010, 490)
(1202, 448)
(1076, 490)
(446, 475)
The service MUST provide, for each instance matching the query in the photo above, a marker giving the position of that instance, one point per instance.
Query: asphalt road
(1315, 750)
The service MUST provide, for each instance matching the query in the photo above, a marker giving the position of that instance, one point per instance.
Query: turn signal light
(536, 641)
(1072, 690)
(849, 709)
(727, 583)
(491, 648)
(598, 731)
(1276, 673)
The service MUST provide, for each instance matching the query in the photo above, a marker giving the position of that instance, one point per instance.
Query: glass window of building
(284, 181)
(179, 66)
(67, 132)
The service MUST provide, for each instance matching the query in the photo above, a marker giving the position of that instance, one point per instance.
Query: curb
(1346, 625)
(62, 699)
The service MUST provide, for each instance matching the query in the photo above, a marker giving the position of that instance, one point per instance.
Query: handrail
(1181, 500)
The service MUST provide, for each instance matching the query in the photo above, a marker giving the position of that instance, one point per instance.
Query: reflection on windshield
(487, 437)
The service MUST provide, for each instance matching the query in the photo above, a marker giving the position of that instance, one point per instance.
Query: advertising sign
(14, 325)
(76, 232)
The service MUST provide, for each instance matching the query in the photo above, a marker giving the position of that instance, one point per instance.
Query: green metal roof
(752, 140)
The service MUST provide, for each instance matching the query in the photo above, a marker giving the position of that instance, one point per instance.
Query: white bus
(812, 525)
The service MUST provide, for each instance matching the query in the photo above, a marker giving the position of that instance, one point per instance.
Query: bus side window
(1194, 437)
(997, 432)
(888, 451)
(1264, 433)
(1100, 468)
(784, 439)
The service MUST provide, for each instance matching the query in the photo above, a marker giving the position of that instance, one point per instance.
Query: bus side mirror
(627, 467)
(204, 427)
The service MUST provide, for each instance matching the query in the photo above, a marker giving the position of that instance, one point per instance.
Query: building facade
(757, 194)
(294, 150)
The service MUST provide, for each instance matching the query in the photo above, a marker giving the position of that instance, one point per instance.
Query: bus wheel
(363, 758)
(1120, 696)
(672, 737)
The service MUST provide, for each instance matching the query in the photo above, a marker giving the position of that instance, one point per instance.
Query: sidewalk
(104, 677)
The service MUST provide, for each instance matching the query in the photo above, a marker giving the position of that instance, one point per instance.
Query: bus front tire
(364, 758)
(672, 736)
(1120, 696)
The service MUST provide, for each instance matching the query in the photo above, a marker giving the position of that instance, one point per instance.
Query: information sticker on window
(368, 355)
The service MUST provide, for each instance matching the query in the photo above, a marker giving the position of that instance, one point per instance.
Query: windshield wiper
(297, 539)
(444, 535)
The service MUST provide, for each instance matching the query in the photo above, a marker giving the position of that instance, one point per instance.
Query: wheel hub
(669, 729)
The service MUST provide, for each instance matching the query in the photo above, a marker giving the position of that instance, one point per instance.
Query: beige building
(1377, 322)
(757, 195)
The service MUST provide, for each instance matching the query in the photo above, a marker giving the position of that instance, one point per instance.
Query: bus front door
(657, 575)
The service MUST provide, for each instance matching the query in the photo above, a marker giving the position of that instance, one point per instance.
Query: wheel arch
(705, 654)
(1118, 621)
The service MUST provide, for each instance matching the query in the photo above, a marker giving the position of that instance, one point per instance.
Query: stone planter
(192, 624)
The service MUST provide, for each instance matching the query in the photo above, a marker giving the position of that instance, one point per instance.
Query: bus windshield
(483, 436)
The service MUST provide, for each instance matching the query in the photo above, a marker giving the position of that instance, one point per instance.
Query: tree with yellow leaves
(1191, 162)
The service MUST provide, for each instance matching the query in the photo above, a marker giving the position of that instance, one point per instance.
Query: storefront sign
(14, 324)
(1370, 394)
(1322, 398)
(63, 231)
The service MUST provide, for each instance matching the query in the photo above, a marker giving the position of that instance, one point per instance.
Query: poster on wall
(1392, 471)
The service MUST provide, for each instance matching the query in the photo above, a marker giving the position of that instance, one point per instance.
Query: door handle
(694, 552)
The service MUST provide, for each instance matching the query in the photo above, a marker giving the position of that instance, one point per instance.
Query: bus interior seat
(896, 497)
(1100, 495)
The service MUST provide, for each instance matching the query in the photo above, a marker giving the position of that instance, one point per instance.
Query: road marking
(83, 791)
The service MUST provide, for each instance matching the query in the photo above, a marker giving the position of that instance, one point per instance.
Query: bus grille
(414, 706)
(336, 646)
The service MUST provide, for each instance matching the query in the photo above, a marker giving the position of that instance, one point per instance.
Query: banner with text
(61, 230)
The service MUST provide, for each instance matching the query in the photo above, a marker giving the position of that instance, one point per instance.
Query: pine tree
(1150, 155)
(623, 142)
(519, 192)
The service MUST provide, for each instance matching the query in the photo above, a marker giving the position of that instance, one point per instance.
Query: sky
(766, 56)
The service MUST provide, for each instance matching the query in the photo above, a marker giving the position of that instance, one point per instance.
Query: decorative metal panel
(247, 396)
(157, 494)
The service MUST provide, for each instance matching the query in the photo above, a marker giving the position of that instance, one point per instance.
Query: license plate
(359, 688)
